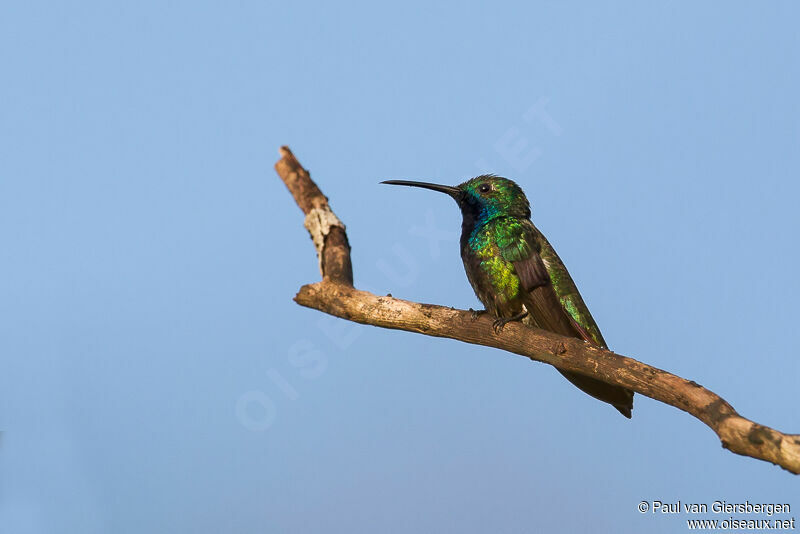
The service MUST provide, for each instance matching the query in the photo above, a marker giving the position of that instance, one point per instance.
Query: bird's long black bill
(447, 189)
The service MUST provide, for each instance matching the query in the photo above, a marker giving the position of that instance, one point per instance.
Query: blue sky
(157, 376)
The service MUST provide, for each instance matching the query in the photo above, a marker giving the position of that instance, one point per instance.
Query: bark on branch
(336, 296)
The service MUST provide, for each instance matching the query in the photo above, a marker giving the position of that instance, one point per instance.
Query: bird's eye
(484, 188)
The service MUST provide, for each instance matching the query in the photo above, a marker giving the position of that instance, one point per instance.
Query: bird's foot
(476, 313)
(500, 323)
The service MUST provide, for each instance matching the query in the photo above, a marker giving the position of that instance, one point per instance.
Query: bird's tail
(546, 312)
(617, 396)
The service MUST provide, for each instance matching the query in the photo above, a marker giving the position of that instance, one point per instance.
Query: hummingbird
(516, 273)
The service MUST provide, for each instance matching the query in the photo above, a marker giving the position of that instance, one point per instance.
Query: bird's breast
(493, 279)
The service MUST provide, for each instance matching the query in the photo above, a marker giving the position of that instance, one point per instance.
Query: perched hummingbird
(517, 275)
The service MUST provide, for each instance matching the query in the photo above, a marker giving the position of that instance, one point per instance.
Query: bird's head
(482, 198)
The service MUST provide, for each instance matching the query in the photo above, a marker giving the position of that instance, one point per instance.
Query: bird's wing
(568, 294)
(518, 244)
(523, 245)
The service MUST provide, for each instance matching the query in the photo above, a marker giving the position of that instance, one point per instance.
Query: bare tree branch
(336, 296)
(327, 232)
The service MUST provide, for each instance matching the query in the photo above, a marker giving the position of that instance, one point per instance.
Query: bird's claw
(503, 321)
(498, 325)
(476, 313)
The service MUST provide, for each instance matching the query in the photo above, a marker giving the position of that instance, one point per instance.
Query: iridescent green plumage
(517, 274)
